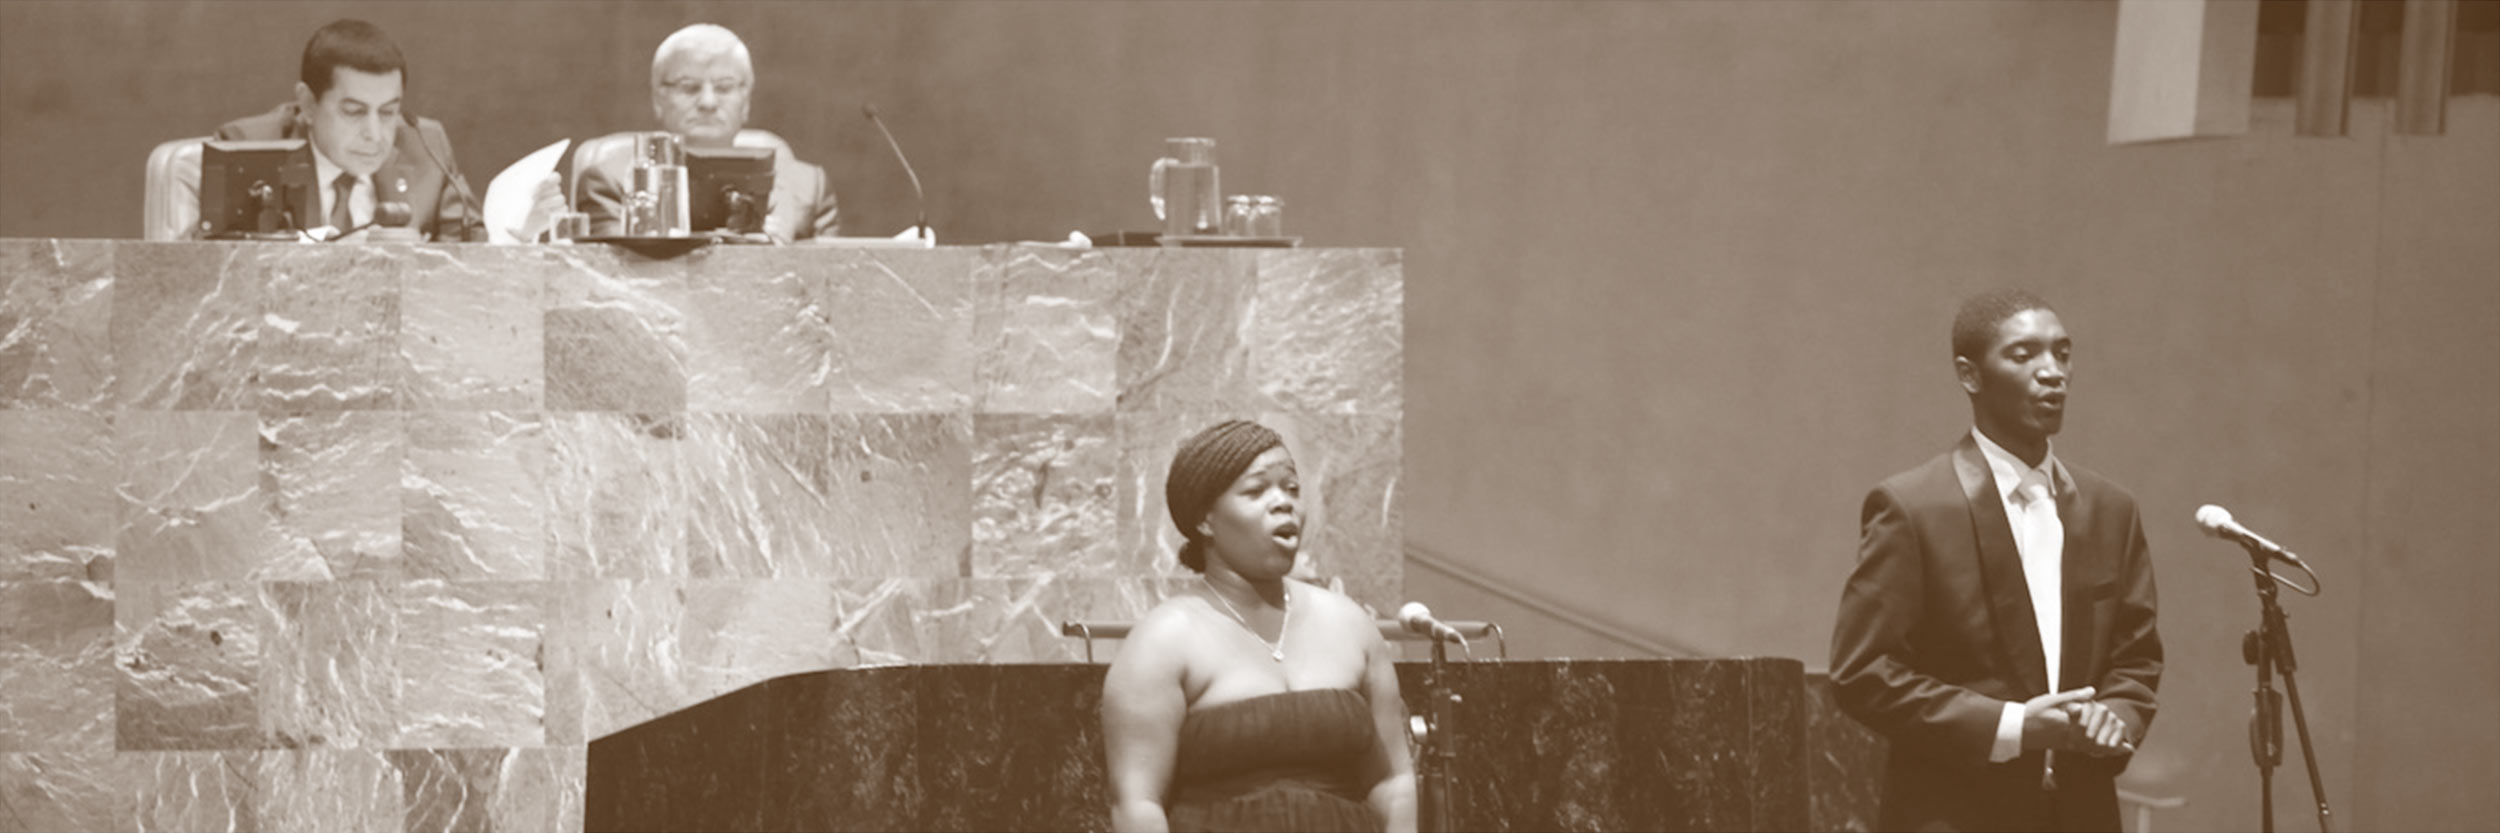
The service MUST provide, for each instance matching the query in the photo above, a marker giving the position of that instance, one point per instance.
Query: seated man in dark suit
(365, 152)
(700, 79)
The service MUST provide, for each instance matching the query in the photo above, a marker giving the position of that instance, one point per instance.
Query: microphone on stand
(469, 205)
(2216, 521)
(2269, 648)
(1438, 730)
(1417, 619)
(920, 198)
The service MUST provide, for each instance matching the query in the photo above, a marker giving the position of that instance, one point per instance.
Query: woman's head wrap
(1204, 466)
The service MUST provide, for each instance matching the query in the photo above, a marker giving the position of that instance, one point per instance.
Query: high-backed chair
(172, 206)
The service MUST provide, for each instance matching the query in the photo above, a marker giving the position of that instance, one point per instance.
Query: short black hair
(1976, 324)
(349, 43)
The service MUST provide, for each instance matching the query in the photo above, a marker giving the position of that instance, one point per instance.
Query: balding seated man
(700, 81)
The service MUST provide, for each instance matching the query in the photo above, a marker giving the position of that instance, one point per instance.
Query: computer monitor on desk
(729, 188)
(256, 189)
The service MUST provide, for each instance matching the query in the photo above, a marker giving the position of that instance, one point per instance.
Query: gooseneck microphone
(2216, 521)
(920, 199)
(1417, 619)
(469, 206)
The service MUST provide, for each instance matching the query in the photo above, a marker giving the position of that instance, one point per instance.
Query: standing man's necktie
(2043, 548)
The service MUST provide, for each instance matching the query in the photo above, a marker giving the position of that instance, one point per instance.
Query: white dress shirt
(359, 201)
(2030, 496)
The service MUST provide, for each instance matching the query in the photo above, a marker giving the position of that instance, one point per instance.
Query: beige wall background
(1679, 278)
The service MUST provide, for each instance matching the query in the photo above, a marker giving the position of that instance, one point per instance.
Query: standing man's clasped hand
(2049, 720)
(2102, 733)
(2072, 720)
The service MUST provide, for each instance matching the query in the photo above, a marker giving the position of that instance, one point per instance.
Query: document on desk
(510, 195)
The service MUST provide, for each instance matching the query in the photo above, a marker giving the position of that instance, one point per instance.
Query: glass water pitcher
(657, 205)
(1183, 188)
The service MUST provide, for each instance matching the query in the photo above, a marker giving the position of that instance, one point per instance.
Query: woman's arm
(1393, 791)
(1142, 706)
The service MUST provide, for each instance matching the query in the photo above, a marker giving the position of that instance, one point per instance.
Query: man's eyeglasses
(690, 88)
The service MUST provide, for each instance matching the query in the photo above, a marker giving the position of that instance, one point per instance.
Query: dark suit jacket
(439, 211)
(1936, 633)
(802, 204)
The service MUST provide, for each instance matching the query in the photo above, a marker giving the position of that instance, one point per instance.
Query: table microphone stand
(2269, 647)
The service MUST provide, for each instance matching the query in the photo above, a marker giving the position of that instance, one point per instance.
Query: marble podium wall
(379, 538)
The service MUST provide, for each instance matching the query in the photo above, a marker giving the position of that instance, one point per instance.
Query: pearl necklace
(1276, 649)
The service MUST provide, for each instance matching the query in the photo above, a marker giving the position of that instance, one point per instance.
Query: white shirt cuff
(2009, 743)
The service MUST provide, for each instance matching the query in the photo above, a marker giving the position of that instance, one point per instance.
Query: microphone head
(1415, 616)
(869, 109)
(2213, 519)
(392, 214)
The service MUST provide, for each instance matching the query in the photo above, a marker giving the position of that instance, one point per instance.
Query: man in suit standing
(1998, 627)
(365, 151)
(701, 78)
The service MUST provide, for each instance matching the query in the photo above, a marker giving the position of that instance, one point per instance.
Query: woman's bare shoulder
(1338, 608)
(1169, 624)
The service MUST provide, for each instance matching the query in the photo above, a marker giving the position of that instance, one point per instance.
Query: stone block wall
(380, 537)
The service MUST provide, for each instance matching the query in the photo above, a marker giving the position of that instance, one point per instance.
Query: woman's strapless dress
(1288, 761)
